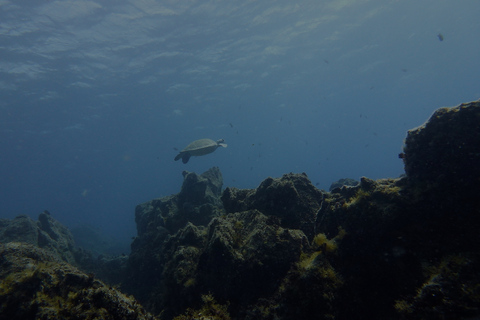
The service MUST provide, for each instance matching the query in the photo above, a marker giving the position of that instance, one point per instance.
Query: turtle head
(221, 143)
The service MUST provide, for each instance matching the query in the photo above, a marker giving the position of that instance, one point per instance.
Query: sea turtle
(199, 148)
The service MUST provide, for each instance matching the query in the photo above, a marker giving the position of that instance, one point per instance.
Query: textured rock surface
(173, 216)
(49, 234)
(45, 233)
(292, 198)
(198, 202)
(35, 284)
(239, 257)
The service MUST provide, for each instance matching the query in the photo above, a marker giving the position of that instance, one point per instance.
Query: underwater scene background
(97, 98)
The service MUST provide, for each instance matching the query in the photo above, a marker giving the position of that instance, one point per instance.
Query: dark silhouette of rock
(36, 284)
(445, 151)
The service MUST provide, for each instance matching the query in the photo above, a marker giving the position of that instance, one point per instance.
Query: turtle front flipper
(180, 155)
(185, 157)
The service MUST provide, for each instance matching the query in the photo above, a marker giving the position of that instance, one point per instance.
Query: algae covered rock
(238, 258)
(35, 284)
(451, 291)
(246, 256)
(292, 198)
(161, 219)
(45, 233)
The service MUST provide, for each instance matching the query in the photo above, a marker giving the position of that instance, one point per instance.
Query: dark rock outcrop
(443, 153)
(160, 219)
(36, 284)
(238, 257)
(404, 248)
(198, 202)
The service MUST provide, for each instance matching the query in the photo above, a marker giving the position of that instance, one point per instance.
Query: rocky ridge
(288, 250)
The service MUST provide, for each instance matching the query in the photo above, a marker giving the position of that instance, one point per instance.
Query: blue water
(95, 95)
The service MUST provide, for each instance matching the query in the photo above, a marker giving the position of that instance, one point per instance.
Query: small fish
(440, 36)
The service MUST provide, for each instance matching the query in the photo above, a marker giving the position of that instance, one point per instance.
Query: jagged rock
(46, 233)
(292, 198)
(253, 251)
(236, 259)
(159, 219)
(198, 202)
(366, 210)
(36, 284)
(169, 271)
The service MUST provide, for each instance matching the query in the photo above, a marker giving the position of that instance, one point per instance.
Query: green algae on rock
(35, 284)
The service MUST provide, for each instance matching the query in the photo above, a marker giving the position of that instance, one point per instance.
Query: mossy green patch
(210, 310)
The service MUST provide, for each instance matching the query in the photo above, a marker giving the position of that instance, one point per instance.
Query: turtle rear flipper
(185, 157)
(180, 155)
